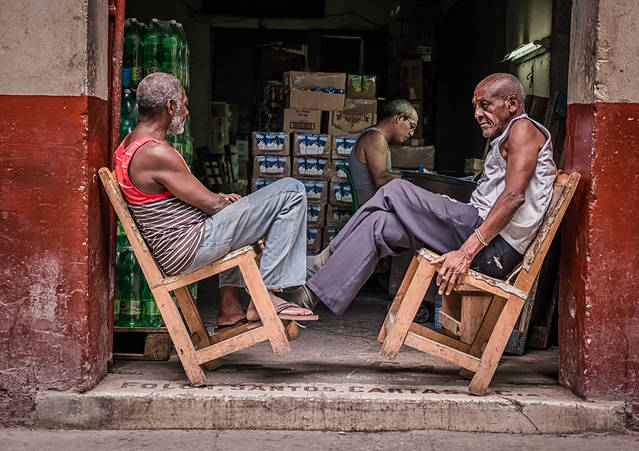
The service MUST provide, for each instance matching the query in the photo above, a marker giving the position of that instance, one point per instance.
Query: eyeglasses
(413, 125)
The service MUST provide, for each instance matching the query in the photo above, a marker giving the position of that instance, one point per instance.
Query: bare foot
(251, 312)
(230, 309)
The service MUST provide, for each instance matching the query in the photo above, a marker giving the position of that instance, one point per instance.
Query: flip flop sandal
(224, 327)
(287, 305)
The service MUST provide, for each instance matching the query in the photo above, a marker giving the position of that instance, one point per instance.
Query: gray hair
(399, 106)
(155, 90)
(506, 85)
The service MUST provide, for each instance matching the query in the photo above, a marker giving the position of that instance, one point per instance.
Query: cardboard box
(337, 174)
(302, 120)
(329, 233)
(349, 123)
(312, 145)
(311, 167)
(273, 166)
(271, 143)
(261, 182)
(411, 79)
(340, 194)
(360, 105)
(361, 87)
(316, 190)
(337, 215)
(342, 146)
(301, 95)
(313, 239)
(315, 214)
(409, 157)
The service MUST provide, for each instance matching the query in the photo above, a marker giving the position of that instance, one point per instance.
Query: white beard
(176, 127)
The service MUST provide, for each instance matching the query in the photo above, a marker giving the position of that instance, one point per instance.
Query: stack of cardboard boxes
(315, 152)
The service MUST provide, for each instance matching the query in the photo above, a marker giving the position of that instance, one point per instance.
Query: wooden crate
(141, 343)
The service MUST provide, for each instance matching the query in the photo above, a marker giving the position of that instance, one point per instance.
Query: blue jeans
(276, 213)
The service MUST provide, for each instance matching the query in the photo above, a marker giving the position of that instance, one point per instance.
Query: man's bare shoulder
(371, 138)
(158, 154)
(524, 132)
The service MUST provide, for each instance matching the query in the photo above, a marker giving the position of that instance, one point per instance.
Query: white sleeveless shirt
(523, 227)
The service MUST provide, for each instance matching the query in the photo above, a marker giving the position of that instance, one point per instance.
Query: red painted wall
(54, 259)
(599, 292)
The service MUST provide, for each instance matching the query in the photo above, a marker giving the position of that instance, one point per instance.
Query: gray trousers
(402, 217)
(276, 213)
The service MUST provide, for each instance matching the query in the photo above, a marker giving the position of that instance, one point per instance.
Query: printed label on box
(310, 167)
(308, 144)
(341, 192)
(316, 190)
(343, 146)
(315, 214)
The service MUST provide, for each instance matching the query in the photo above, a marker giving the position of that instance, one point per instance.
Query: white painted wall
(54, 47)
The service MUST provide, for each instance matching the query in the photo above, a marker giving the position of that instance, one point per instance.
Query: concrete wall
(598, 305)
(53, 137)
(38, 48)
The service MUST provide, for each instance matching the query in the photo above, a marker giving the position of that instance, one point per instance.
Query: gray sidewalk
(332, 380)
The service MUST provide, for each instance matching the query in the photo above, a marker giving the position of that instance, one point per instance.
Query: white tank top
(523, 227)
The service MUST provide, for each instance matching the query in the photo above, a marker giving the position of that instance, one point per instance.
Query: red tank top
(123, 156)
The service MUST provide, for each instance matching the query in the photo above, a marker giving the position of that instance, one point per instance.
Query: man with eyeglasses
(370, 161)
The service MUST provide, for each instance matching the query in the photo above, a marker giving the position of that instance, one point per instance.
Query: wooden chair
(480, 358)
(192, 342)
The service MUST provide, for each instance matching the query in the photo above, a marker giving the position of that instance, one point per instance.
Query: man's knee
(397, 187)
(291, 184)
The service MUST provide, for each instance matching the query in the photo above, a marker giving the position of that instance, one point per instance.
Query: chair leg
(179, 336)
(260, 297)
(485, 329)
(408, 309)
(399, 297)
(496, 345)
(192, 317)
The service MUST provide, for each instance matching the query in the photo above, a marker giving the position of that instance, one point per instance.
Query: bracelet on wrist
(481, 238)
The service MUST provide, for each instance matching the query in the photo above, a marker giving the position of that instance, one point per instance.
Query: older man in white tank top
(489, 234)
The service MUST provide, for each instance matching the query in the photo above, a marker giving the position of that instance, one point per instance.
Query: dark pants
(402, 217)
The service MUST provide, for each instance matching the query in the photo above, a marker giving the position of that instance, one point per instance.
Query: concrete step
(123, 401)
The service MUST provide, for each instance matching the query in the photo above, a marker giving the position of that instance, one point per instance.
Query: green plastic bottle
(121, 240)
(132, 51)
(126, 293)
(184, 58)
(128, 113)
(187, 143)
(171, 51)
(150, 313)
(152, 48)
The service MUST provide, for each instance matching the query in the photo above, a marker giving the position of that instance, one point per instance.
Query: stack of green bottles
(134, 305)
(162, 47)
